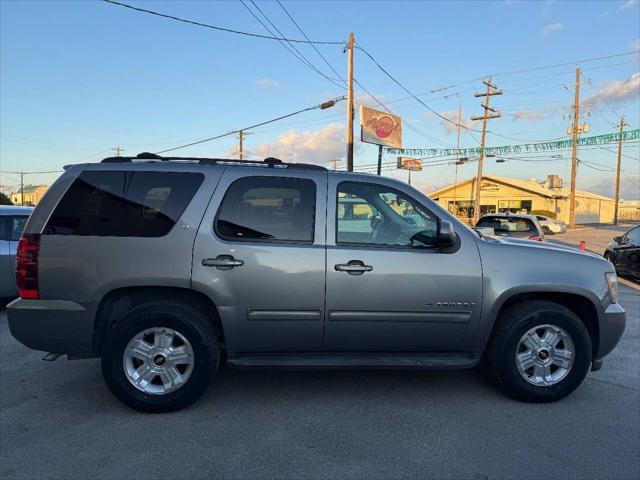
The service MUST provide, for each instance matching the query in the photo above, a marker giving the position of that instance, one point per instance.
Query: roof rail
(269, 162)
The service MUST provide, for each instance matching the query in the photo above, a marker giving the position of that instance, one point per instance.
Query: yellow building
(502, 194)
(32, 195)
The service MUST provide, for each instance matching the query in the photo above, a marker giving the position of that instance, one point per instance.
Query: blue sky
(78, 78)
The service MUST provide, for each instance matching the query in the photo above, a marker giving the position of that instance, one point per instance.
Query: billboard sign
(406, 163)
(380, 128)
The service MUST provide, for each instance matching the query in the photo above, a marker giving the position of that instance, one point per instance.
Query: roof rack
(269, 162)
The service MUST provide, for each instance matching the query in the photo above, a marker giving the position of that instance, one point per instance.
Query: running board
(374, 361)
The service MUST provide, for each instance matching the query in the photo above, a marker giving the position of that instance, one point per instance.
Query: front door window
(377, 215)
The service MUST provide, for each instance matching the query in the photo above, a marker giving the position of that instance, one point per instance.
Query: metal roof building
(503, 194)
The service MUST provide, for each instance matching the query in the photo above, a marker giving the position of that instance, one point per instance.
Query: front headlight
(612, 282)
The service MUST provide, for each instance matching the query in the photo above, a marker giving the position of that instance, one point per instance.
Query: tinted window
(268, 209)
(633, 237)
(506, 225)
(11, 227)
(123, 204)
(377, 215)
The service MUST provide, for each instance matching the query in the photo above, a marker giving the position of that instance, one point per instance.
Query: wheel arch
(579, 303)
(117, 302)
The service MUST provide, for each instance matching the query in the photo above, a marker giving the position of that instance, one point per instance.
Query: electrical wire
(285, 43)
(249, 127)
(397, 82)
(223, 29)
(310, 42)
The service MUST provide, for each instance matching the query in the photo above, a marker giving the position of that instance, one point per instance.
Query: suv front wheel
(540, 351)
(160, 357)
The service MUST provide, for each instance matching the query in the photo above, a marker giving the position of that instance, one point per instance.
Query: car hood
(540, 245)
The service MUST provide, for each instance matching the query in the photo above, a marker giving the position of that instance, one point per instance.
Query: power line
(285, 43)
(613, 151)
(397, 82)
(223, 29)
(30, 173)
(310, 42)
(322, 106)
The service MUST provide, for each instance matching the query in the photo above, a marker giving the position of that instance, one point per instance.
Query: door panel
(411, 300)
(274, 301)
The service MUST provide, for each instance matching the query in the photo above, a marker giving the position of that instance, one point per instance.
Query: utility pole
(455, 181)
(335, 163)
(117, 149)
(22, 188)
(350, 104)
(491, 91)
(574, 151)
(615, 212)
(380, 160)
(240, 135)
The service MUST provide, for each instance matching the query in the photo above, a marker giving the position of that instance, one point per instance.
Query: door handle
(353, 267)
(222, 262)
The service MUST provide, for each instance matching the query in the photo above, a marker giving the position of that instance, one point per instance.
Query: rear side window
(123, 204)
(11, 227)
(268, 209)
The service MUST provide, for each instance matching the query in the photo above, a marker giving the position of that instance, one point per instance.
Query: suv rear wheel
(539, 352)
(160, 357)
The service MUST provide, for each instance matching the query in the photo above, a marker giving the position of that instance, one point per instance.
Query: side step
(374, 361)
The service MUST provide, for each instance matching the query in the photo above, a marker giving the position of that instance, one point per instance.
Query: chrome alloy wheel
(545, 355)
(158, 361)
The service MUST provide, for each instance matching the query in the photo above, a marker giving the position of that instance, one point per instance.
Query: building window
(462, 208)
(514, 206)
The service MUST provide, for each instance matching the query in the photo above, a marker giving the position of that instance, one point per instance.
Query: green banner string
(523, 148)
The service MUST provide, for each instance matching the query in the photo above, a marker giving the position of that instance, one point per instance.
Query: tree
(4, 200)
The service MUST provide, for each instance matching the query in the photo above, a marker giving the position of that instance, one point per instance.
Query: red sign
(406, 163)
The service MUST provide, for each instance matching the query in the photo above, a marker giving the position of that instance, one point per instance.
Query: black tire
(546, 230)
(511, 325)
(190, 322)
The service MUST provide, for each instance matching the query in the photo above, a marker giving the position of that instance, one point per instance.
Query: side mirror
(447, 236)
(619, 239)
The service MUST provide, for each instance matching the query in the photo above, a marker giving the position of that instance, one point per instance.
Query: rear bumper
(57, 326)
(612, 324)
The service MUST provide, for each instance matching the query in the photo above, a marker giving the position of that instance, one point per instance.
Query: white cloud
(628, 187)
(318, 147)
(636, 45)
(267, 83)
(522, 114)
(628, 4)
(551, 28)
(449, 127)
(618, 91)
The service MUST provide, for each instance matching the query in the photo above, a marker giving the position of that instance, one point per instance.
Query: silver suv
(166, 267)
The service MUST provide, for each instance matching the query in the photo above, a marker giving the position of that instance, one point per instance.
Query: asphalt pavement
(58, 420)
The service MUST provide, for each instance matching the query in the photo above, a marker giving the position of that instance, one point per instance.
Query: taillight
(27, 266)
(535, 238)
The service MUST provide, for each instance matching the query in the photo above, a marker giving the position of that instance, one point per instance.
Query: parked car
(624, 253)
(512, 225)
(12, 222)
(166, 267)
(551, 226)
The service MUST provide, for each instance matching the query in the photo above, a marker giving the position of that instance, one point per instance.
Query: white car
(12, 221)
(550, 225)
